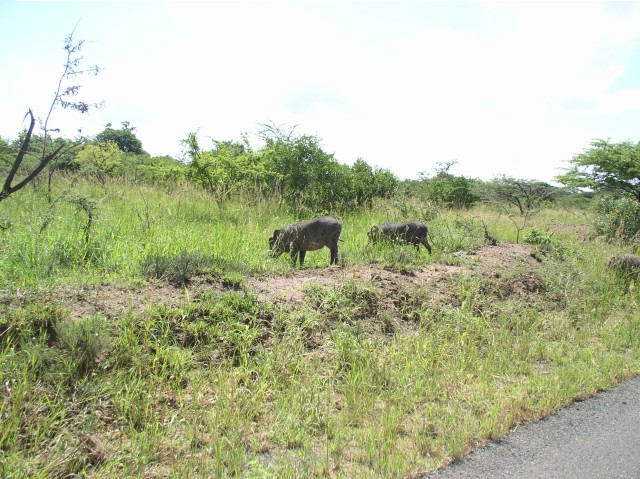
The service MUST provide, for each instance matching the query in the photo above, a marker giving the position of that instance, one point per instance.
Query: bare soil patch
(510, 267)
(490, 261)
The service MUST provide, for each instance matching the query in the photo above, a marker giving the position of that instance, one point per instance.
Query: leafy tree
(311, 180)
(448, 190)
(125, 138)
(49, 150)
(7, 154)
(518, 199)
(295, 168)
(385, 183)
(370, 183)
(101, 160)
(227, 168)
(613, 167)
(303, 171)
(153, 169)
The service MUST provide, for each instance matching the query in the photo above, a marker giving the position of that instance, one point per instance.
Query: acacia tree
(63, 98)
(606, 166)
(517, 199)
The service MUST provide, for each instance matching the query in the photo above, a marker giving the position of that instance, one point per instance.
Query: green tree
(125, 138)
(7, 154)
(446, 189)
(518, 199)
(100, 160)
(224, 170)
(613, 167)
(304, 175)
(153, 169)
(370, 183)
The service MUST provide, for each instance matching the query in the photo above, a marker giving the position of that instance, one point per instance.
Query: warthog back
(411, 232)
(627, 264)
(306, 236)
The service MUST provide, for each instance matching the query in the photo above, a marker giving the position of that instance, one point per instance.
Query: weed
(178, 269)
(547, 245)
(35, 322)
(351, 301)
(83, 341)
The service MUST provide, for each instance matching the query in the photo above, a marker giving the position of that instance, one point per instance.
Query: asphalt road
(595, 438)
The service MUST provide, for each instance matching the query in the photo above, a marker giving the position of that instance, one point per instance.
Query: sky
(500, 88)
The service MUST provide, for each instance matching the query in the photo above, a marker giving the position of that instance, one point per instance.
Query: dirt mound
(510, 266)
(491, 261)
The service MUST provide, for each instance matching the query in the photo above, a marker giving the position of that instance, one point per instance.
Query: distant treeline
(290, 167)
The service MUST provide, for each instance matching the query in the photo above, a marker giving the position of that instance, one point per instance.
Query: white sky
(511, 88)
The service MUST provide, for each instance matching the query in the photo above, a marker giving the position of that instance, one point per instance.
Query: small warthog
(628, 265)
(411, 232)
(307, 236)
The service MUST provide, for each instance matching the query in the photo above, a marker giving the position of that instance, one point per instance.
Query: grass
(358, 380)
(145, 231)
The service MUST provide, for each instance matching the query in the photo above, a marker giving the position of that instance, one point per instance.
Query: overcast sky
(513, 88)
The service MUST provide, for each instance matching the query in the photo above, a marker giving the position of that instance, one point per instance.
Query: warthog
(627, 264)
(411, 232)
(307, 236)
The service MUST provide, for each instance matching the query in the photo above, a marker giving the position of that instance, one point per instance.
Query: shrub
(547, 245)
(617, 218)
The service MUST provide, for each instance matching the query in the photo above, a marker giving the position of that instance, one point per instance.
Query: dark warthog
(628, 265)
(411, 232)
(307, 236)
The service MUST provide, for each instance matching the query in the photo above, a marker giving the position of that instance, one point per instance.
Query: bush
(450, 191)
(547, 245)
(617, 218)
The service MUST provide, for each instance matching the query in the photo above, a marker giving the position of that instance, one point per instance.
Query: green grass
(143, 231)
(358, 380)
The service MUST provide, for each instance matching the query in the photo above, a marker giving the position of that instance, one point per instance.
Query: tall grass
(357, 380)
(140, 231)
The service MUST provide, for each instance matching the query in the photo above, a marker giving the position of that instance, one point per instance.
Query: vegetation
(518, 199)
(612, 167)
(617, 218)
(446, 189)
(360, 377)
(145, 331)
(125, 138)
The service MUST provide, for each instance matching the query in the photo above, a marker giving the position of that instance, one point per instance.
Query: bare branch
(24, 148)
(70, 71)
